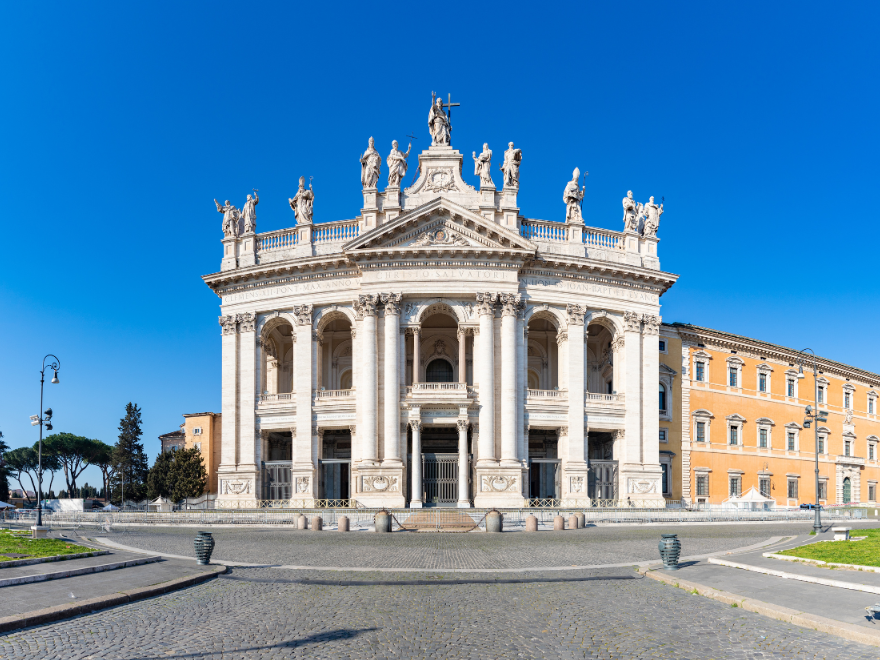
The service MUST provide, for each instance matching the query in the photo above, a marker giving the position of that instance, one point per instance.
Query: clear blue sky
(121, 122)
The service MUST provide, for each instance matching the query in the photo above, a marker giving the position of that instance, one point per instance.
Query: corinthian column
(415, 499)
(367, 395)
(510, 305)
(462, 364)
(463, 501)
(392, 379)
(575, 373)
(486, 308)
(229, 393)
(303, 380)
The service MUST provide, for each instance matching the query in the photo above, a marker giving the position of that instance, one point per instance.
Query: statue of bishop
(652, 218)
(572, 198)
(231, 218)
(510, 166)
(371, 163)
(438, 124)
(397, 164)
(249, 212)
(482, 164)
(302, 203)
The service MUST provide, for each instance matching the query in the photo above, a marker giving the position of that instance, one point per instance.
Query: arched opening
(542, 354)
(277, 359)
(600, 378)
(335, 368)
(438, 371)
(847, 491)
(662, 397)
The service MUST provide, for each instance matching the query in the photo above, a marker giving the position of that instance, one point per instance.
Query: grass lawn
(22, 544)
(863, 553)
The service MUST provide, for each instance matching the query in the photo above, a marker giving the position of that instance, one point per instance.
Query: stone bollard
(531, 523)
(582, 520)
(494, 521)
(573, 521)
(558, 523)
(317, 523)
(383, 522)
(302, 522)
(343, 523)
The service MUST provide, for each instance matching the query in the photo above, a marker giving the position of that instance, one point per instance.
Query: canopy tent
(110, 507)
(751, 500)
(161, 504)
(4, 505)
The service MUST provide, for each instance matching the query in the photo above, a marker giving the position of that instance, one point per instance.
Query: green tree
(130, 463)
(4, 471)
(158, 479)
(101, 456)
(23, 462)
(188, 476)
(74, 452)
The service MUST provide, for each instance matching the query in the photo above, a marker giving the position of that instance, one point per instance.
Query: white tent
(110, 507)
(4, 505)
(161, 504)
(751, 500)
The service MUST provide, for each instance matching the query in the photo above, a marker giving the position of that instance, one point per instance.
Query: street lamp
(813, 416)
(45, 420)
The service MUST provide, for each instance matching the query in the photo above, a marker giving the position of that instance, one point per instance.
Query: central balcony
(440, 392)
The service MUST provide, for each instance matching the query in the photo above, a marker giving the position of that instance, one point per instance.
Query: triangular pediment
(440, 225)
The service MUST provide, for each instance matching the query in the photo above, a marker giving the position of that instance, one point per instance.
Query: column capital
(462, 424)
(365, 305)
(415, 424)
(618, 343)
(575, 314)
(318, 337)
(511, 303)
(392, 303)
(352, 429)
(650, 324)
(229, 324)
(632, 321)
(303, 314)
(353, 332)
(562, 431)
(561, 338)
(486, 303)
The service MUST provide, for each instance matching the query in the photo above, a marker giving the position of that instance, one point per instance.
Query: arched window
(438, 371)
(345, 380)
(662, 397)
(534, 380)
(847, 491)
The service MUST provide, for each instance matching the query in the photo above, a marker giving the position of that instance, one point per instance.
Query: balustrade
(600, 238)
(604, 398)
(282, 239)
(276, 398)
(334, 394)
(335, 232)
(543, 230)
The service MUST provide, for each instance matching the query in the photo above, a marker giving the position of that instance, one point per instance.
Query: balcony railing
(591, 397)
(285, 397)
(548, 394)
(335, 232)
(333, 395)
(439, 389)
(602, 238)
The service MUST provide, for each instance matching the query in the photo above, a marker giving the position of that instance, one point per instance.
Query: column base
(464, 505)
(415, 505)
(239, 489)
(641, 486)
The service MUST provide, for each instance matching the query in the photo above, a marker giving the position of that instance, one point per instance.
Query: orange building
(735, 420)
(200, 430)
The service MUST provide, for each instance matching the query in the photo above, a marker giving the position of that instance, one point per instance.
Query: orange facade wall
(208, 441)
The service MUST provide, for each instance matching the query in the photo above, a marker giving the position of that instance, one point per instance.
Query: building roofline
(201, 414)
(782, 353)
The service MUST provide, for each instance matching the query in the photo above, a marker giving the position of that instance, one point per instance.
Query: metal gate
(603, 480)
(440, 478)
(276, 480)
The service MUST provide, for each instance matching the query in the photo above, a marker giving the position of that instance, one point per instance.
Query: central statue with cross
(439, 122)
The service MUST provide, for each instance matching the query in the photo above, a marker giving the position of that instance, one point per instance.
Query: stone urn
(383, 521)
(670, 549)
(494, 521)
(204, 546)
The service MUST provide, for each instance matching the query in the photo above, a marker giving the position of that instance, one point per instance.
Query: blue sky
(121, 122)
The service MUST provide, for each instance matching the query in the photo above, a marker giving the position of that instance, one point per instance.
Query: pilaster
(391, 301)
(367, 396)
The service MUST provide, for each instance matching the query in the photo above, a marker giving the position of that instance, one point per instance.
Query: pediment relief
(440, 224)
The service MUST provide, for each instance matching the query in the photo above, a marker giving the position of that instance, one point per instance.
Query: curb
(84, 570)
(45, 560)
(59, 612)
(840, 584)
(819, 562)
(846, 631)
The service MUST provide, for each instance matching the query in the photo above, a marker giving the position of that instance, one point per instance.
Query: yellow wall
(672, 359)
(718, 397)
(211, 425)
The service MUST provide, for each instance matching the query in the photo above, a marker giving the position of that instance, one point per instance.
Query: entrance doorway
(439, 465)
(544, 466)
(847, 491)
(603, 480)
(334, 467)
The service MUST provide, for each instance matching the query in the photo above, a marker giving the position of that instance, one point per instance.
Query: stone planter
(383, 521)
(670, 549)
(204, 546)
(494, 521)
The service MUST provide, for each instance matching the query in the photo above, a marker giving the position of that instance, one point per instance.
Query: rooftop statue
(510, 167)
(572, 198)
(303, 203)
(397, 164)
(371, 164)
(631, 213)
(231, 218)
(652, 217)
(438, 123)
(249, 212)
(482, 164)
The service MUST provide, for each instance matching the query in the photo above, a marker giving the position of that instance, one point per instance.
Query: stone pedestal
(230, 254)
(40, 531)
(304, 246)
(238, 489)
(247, 250)
(498, 487)
(378, 486)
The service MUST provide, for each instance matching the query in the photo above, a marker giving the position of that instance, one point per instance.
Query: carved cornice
(392, 303)
(303, 314)
(575, 314)
(486, 303)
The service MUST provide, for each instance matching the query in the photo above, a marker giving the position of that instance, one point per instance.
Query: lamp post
(44, 420)
(813, 416)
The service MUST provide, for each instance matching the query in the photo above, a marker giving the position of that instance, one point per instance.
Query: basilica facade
(442, 348)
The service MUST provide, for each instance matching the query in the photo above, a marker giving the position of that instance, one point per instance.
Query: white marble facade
(442, 322)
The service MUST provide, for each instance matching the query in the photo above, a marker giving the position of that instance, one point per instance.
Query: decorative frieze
(380, 484)
(576, 485)
(236, 486)
(498, 483)
(302, 485)
(642, 486)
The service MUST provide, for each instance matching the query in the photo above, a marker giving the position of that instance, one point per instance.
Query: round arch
(271, 322)
(605, 320)
(326, 315)
(437, 306)
(550, 314)
(439, 370)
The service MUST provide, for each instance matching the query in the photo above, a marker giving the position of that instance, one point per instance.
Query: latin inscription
(587, 287)
(291, 289)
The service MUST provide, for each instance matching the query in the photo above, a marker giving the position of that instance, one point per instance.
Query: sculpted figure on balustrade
(303, 203)
(652, 217)
(438, 123)
(397, 164)
(482, 163)
(231, 218)
(572, 197)
(371, 164)
(510, 166)
(249, 212)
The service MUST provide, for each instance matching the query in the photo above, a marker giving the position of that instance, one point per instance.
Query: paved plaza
(266, 612)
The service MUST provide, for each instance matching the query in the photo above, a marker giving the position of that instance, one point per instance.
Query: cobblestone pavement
(277, 613)
(476, 550)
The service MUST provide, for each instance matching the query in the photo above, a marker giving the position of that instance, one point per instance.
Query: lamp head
(48, 414)
(800, 372)
(808, 410)
(55, 378)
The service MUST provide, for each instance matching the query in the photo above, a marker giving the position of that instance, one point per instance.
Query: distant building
(202, 431)
(173, 441)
